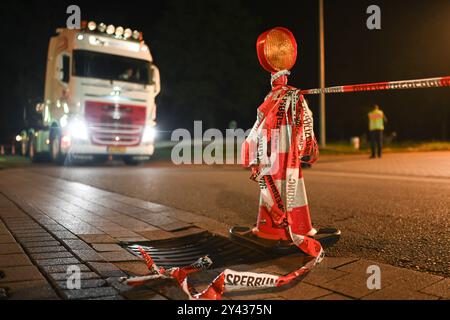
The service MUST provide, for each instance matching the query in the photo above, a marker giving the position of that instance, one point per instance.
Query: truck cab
(100, 90)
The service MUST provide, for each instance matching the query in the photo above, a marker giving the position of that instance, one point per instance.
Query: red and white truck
(100, 90)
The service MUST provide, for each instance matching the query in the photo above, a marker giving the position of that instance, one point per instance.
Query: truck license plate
(117, 149)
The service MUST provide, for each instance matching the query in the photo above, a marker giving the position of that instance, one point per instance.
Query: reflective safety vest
(376, 120)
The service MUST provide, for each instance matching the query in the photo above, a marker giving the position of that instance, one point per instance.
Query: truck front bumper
(86, 148)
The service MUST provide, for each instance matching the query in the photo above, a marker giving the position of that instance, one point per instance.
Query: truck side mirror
(63, 69)
(156, 79)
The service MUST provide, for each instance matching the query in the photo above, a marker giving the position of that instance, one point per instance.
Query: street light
(323, 139)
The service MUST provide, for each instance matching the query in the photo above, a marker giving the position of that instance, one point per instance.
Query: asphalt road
(394, 210)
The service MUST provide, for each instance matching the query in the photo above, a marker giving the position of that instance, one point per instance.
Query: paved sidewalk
(48, 224)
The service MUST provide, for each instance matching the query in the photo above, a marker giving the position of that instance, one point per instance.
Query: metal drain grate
(184, 251)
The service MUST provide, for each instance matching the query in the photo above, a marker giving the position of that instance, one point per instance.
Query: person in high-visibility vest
(376, 128)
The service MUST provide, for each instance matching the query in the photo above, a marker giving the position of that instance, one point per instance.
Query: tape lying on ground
(228, 280)
(391, 85)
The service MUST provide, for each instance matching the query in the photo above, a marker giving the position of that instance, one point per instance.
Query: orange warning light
(277, 49)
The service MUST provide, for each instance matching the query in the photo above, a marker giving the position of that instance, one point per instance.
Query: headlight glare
(78, 129)
(149, 134)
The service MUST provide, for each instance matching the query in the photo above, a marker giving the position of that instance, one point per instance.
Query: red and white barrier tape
(228, 280)
(286, 107)
(391, 85)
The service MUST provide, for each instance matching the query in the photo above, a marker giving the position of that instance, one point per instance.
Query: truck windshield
(92, 64)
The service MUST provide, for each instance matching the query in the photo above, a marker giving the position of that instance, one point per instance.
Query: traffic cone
(298, 218)
(284, 213)
(266, 229)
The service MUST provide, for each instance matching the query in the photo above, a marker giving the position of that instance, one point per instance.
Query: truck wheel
(131, 162)
(24, 147)
(35, 157)
(55, 148)
(32, 149)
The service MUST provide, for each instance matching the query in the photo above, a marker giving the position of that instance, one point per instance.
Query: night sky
(209, 71)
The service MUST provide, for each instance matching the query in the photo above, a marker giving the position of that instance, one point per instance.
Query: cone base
(247, 236)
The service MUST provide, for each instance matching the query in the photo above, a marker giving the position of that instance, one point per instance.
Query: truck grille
(115, 134)
(115, 125)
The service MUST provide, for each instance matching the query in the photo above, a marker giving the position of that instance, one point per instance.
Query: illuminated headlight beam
(149, 134)
(77, 129)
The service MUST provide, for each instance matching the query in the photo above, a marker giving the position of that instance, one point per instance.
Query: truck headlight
(78, 129)
(149, 134)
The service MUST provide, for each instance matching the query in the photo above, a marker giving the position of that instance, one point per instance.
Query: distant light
(66, 141)
(119, 31)
(64, 121)
(102, 27)
(18, 138)
(136, 34)
(92, 25)
(117, 139)
(110, 29)
(80, 37)
(128, 33)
